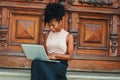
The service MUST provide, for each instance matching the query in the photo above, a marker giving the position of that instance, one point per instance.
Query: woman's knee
(35, 62)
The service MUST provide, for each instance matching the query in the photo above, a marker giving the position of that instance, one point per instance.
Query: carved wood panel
(96, 30)
(93, 34)
(97, 3)
(100, 26)
(24, 28)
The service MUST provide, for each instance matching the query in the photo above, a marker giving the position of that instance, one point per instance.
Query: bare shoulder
(45, 38)
(69, 37)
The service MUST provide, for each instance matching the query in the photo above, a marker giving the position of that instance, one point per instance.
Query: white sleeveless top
(56, 42)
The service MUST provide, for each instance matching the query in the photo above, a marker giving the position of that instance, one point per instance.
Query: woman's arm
(45, 38)
(69, 53)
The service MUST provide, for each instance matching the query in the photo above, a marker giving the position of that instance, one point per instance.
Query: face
(54, 25)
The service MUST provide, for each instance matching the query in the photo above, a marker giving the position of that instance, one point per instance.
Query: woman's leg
(59, 69)
(34, 70)
(40, 71)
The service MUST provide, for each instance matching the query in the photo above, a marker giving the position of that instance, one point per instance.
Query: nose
(51, 27)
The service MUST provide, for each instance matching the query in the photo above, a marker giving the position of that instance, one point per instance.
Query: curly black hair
(54, 11)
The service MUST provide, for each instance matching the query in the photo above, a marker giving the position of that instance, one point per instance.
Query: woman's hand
(52, 56)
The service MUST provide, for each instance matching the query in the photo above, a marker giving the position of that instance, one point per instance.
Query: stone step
(17, 74)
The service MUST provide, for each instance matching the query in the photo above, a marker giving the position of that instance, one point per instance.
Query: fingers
(51, 57)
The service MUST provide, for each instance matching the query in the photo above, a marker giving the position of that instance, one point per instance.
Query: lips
(53, 30)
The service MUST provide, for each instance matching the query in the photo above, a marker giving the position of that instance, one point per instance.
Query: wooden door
(94, 25)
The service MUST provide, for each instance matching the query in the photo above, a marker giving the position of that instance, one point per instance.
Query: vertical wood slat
(5, 16)
(0, 19)
(3, 35)
(114, 37)
(119, 37)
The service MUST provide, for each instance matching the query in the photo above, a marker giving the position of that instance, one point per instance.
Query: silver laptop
(35, 52)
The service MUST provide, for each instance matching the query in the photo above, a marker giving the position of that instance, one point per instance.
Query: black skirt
(44, 70)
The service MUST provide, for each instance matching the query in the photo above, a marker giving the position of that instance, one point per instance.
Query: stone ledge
(17, 74)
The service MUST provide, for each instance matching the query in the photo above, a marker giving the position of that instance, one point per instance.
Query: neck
(59, 29)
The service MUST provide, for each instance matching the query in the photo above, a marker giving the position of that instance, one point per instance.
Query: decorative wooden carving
(3, 35)
(70, 21)
(0, 18)
(25, 28)
(45, 31)
(119, 37)
(114, 38)
(71, 30)
(75, 35)
(93, 33)
(92, 29)
(96, 2)
(114, 35)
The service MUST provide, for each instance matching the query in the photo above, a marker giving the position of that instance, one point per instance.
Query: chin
(53, 30)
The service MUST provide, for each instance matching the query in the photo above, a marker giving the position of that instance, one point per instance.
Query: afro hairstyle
(54, 11)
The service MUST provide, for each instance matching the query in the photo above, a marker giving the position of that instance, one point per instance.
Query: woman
(58, 44)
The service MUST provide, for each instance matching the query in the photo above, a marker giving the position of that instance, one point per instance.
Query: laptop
(36, 52)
